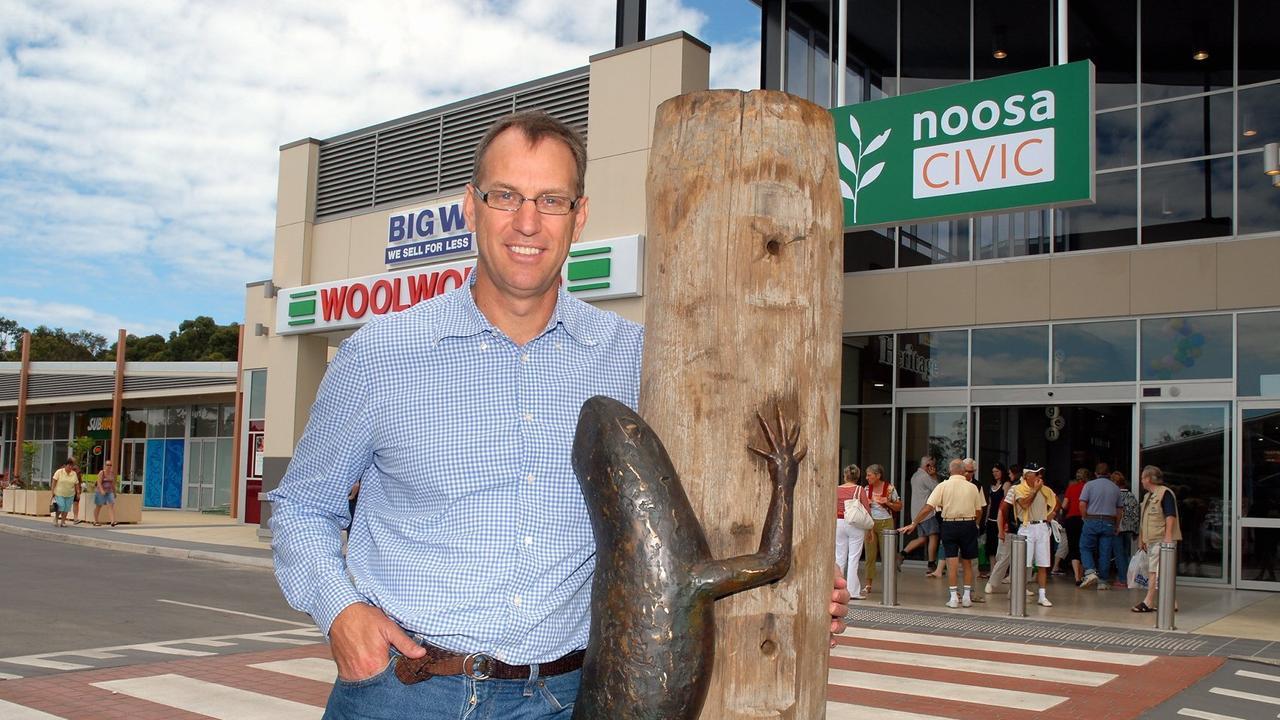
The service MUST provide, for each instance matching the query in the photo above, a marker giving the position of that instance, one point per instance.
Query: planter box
(33, 502)
(128, 509)
(8, 499)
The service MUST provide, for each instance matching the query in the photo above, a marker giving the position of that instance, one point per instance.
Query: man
(960, 503)
(1159, 523)
(1102, 509)
(923, 482)
(1036, 505)
(466, 579)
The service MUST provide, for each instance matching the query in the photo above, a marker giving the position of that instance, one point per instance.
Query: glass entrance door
(1258, 497)
(1190, 443)
(133, 465)
(200, 474)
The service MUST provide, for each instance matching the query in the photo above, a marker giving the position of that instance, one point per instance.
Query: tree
(10, 336)
(59, 345)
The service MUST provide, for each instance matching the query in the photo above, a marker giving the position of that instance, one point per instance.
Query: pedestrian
(1006, 522)
(472, 561)
(65, 485)
(960, 502)
(850, 538)
(1102, 508)
(993, 492)
(1128, 529)
(1158, 523)
(1073, 523)
(1036, 506)
(104, 494)
(923, 481)
(884, 503)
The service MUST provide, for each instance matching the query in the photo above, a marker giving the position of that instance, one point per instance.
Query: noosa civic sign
(1017, 141)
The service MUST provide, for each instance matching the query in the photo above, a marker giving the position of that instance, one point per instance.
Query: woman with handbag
(853, 519)
(65, 485)
(884, 503)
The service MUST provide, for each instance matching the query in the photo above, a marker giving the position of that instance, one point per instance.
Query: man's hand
(907, 529)
(360, 638)
(839, 603)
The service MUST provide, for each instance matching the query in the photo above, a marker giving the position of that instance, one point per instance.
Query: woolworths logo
(1017, 141)
(302, 308)
(589, 269)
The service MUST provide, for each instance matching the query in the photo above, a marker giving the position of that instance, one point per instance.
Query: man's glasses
(511, 201)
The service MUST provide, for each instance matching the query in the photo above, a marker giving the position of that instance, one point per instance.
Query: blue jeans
(1123, 546)
(1095, 542)
(453, 697)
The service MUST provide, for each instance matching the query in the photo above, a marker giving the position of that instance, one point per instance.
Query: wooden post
(117, 403)
(743, 280)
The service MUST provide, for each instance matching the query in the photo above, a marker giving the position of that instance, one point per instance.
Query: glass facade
(1186, 95)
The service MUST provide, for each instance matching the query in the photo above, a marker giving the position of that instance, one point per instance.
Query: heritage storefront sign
(597, 270)
(1017, 141)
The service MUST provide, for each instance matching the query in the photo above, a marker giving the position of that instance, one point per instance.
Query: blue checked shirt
(471, 528)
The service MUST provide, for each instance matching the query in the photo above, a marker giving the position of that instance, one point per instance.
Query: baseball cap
(1032, 467)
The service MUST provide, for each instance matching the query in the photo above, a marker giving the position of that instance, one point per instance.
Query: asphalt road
(59, 596)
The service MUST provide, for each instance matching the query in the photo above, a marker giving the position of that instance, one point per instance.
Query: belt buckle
(477, 666)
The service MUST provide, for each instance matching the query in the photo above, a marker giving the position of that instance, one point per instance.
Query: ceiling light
(1271, 158)
(1249, 133)
(1200, 55)
(998, 42)
(1246, 122)
(879, 385)
(999, 54)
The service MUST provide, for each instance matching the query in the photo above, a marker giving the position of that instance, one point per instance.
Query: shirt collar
(462, 318)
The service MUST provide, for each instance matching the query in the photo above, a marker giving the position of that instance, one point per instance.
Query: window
(1186, 47)
(1094, 352)
(1186, 128)
(1258, 363)
(935, 45)
(1259, 199)
(1012, 234)
(1110, 222)
(867, 370)
(257, 393)
(933, 359)
(1186, 348)
(866, 435)
(1010, 36)
(1106, 32)
(1011, 356)
(1116, 143)
(1186, 201)
(932, 243)
(871, 70)
(1258, 22)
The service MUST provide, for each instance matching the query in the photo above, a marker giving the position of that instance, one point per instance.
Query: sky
(139, 139)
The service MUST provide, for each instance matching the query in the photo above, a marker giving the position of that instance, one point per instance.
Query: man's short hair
(536, 125)
(956, 467)
(1155, 473)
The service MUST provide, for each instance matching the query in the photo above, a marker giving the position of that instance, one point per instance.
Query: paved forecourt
(874, 674)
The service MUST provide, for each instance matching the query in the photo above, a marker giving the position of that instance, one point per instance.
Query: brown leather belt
(477, 666)
(1100, 517)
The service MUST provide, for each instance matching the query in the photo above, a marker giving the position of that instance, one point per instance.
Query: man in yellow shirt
(66, 482)
(1036, 505)
(960, 503)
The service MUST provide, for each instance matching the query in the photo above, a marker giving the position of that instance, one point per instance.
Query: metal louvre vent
(432, 153)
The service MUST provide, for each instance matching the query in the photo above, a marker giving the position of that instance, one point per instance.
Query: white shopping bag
(1138, 569)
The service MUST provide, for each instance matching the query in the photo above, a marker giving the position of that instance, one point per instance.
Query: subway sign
(597, 270)
(428, 234)
(1017, 141)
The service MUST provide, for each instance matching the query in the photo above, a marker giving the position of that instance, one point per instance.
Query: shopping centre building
(1143, 328)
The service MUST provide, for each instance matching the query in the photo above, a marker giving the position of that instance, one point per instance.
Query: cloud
(139, 138)
(30, 314)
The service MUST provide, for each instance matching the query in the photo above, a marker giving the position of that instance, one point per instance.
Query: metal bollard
(889, 552)
(1167, 579)
(1017, 575)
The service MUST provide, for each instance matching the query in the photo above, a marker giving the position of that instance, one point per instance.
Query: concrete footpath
(1203, 610)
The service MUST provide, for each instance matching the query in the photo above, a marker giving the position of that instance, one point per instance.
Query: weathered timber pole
(743, 281)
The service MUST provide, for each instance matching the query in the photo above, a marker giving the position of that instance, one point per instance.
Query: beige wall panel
(297, 364)
(1247, 273)
(875, 302)
(368, 242)
(630, 308)
(330, 250)
(1089, 285)
(668, 74)
(291, 264)
(615, 186)
(619, 112)
(1172, 278)
(1012, 292)
(296, 186)
(941, 297)
(257, 309)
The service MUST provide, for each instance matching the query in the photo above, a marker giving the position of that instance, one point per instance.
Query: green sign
(1012, 142)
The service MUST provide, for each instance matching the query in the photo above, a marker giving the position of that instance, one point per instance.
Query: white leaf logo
(870, 175)
(854, 163)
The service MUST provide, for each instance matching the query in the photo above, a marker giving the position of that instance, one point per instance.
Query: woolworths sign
(1013, 142)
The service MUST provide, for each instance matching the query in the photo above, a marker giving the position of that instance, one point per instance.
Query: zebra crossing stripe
(42, 661)
(936, 689)
(312, 668)
(13, 711)
(1258, 675)
(7, 676)
(1245, 695)
(993, 667)
(1041, 651)
(1205, 715)
(843, 711)
(205, 698)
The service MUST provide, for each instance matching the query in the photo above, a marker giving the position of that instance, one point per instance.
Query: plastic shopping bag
(1060, 537)
(1138, 569)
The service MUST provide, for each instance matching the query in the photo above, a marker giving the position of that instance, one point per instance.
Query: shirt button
(528, 540)
(529, 477)
(484, 346)
(516, 601)
(524, 357)
(527, 417)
